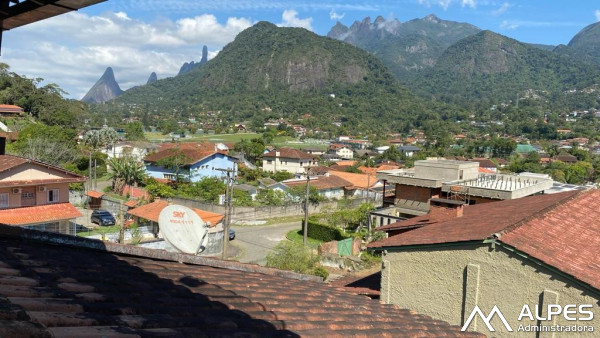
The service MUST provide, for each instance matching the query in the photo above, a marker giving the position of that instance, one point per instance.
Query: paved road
(256, 241)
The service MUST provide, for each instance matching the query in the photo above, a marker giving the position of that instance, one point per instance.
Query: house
(533, 251)
(361, 185)
(342, 151)
(409, 150)
(288, 159)
(316, 151)
(10, 110)
(189, 163)
(89, 288)
(269, 183)
(565, 158)
(251, 190)
(460, 180)
(486, 164)
(137, 150)
(35, 195)
(330, 187)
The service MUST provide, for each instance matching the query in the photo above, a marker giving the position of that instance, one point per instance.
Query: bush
(295, 257)
(324, 232)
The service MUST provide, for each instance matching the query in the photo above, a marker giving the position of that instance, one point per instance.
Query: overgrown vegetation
(295, 257)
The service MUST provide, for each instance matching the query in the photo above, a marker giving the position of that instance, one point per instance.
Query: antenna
(183, 229)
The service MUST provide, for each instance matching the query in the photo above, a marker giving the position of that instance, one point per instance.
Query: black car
(102, 217)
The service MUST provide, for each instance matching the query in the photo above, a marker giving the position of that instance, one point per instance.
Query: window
(53, 196)
(169, 176)
(4, 200)
(269, 162)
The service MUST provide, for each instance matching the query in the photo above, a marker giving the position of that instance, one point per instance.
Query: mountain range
(105, 89)
(292, 71)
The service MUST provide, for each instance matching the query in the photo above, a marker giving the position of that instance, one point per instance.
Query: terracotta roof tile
(152, 210)
(361, 181)
(38, 214)
(94, 194)
(289, 153)
(106, 293)
(10, 162)
(131, 203)
(561, 230)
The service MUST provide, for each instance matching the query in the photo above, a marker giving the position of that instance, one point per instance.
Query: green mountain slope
(488, 68)
(288, 72)
(405, 48)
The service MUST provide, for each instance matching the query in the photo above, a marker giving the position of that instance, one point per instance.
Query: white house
(287, 159)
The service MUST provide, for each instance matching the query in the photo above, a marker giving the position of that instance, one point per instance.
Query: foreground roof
(561, 230)
(39, 214)
(84, 288)
(152, 210)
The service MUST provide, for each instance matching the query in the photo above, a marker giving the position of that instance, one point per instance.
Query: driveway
(257, 240)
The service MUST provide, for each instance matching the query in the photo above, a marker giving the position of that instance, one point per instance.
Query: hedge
(324, 232)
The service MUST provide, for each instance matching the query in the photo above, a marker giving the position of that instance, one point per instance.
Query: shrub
(324, 232)
(295, 257)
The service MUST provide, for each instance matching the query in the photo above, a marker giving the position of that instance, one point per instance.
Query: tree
(135, 131)
(50, 144)
(126, 170)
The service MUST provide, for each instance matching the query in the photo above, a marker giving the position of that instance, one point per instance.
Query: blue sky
(137, 37)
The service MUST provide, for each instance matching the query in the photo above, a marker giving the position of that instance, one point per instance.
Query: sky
(138, 37)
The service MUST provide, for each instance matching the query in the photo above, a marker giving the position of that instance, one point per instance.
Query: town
(353, 212)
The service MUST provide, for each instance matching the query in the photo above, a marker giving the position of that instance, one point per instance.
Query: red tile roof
(38, 214)
(361, 181)
(289, 153)
(10, 162)
(322, 183)
(561, 230)
(131, 203)
(152, 211)
(9, 108)
(116, 290)
(94, 194)
(135, 192)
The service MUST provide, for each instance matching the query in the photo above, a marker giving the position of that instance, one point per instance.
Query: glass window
(53, 196)
(4, 200)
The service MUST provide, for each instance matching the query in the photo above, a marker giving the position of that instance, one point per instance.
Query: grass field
(214, 138)
(296, 236)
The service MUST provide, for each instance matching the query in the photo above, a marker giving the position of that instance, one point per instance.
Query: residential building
(10, 110)
(188, 163)
(362, 185)
(458, 180)
(409, 150)
(288, 159)
(89, 288)
(35, 195)
(342, 151)
(328, 186)
(536, 250)
(565, 158)
(137, 150)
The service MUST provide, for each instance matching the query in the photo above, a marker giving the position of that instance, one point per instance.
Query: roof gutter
(426, 246)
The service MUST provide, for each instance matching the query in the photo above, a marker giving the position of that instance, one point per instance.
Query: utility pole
(305, 227)
(228, 209)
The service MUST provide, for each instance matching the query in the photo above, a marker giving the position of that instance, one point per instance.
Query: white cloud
(509, 25)
(444, 3)
(502, 9)
(470, 3)
(597, 13)
(335, 16)
(290, 19)
(74, 49)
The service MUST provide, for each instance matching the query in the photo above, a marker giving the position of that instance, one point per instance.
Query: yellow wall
(446, 283)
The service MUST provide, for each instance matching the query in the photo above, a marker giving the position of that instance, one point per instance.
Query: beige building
(288, 159)
(342, 151)
(36, 195)
(514, 254)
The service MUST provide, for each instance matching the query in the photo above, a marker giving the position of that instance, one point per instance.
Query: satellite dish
(183, 229)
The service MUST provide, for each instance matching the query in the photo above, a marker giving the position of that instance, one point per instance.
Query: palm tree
(96, 139)
(126, 170)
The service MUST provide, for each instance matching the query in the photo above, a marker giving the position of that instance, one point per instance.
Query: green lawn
(214, 138)
(100, 231)
(296, 236)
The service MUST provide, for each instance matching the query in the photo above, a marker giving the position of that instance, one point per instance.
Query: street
(257, 240)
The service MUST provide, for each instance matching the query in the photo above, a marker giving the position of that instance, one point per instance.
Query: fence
(254, 213)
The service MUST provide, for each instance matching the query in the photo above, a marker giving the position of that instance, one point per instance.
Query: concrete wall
(446, 283)
(208, 166)
(292, 165)
(251, 214)
(40, 197)
(446, 170)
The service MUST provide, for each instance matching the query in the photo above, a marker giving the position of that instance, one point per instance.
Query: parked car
(102, 217)
(231, 234)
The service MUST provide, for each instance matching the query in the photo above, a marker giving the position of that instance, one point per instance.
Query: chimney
(2, 145)
(442, 209)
